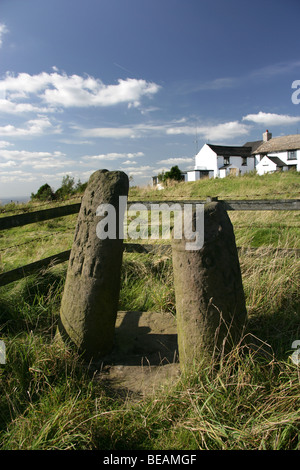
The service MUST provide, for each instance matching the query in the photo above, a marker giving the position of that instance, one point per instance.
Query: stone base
(145, 354)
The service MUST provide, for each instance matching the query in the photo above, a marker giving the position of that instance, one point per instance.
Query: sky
(139, 85)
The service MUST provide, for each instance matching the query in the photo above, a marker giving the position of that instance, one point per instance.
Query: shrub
(44, 193)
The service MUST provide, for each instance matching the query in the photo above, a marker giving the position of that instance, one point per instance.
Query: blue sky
(139, 85)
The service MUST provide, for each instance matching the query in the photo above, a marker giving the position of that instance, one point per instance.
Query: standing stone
(91, 294)
(210, 302)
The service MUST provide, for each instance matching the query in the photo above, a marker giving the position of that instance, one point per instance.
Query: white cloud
(149, 109)
(10, 107)
(4, 144)
(143, 171)
(129, 162)
(34, 127)
(34, 160)
(57, 176)
(271, 119)
(8, 164)
(25, 155)
(227, 130)
(176, 161)
(134, 155)
(278, 68)
(218, 132)
(75, 142)
(3, 30)
(50, 162)
(113, 156)
(23, 84)
(60, 89)
(133, 132)
(108, 132)
(187, 130)
(16, 176)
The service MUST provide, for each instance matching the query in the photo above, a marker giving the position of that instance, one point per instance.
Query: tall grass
(50, 399)
(147, 283)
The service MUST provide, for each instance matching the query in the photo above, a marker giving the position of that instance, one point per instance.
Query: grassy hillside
(19, 246)
(50, 400)
(284, 185)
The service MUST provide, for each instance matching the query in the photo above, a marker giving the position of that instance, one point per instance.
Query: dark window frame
(292, 155)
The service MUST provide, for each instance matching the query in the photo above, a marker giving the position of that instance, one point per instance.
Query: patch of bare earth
(145, 354)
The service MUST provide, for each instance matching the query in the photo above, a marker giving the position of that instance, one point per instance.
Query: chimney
(267, 136)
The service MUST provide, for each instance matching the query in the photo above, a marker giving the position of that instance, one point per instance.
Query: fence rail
(62, 211)
(246, 205)
(19, 220)
(235, 205)
(23, 271)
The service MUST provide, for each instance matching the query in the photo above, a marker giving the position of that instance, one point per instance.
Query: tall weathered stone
(91, 294)
(210, 302)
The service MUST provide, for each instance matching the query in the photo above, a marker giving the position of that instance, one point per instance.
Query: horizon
(139, 86)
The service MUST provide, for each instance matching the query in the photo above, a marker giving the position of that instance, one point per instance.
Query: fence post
(210, 302)
(90, 299)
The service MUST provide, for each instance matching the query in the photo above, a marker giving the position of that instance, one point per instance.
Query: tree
(173, 174)
(44, 193)
(80, 187)
(68, 185)
(67, 188)
(161, 177)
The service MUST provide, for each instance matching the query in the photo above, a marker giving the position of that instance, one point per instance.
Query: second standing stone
(210, 302)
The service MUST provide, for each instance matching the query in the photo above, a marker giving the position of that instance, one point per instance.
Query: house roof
(254, 145)
(224, 167)
(277, 161)
(276, 144)
(279, 144)
(231, 151)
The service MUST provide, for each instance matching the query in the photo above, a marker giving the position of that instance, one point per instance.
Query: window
(244, 161)
(292, 155)
(226, 160)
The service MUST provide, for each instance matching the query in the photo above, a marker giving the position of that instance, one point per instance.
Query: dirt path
(145, 354)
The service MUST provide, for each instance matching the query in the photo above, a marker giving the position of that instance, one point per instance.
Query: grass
(284, 185)
(50, 400)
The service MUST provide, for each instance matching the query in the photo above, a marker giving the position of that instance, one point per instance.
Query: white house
(264, 156)
(278, 154)
(219, 161)
(270, 164)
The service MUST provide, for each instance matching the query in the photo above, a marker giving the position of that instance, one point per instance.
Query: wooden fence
(52, 213)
